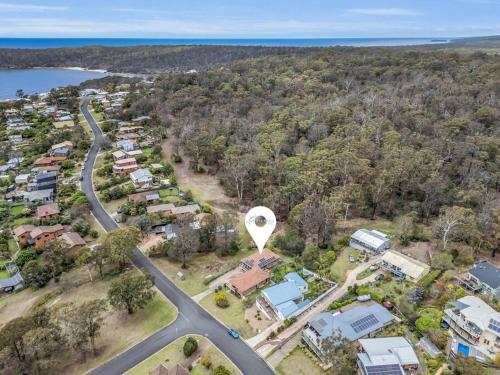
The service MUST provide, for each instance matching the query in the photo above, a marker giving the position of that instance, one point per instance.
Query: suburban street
(192, 318)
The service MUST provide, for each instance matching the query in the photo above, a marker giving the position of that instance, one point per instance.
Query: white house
(142, 177)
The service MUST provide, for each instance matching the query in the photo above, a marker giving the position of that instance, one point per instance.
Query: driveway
(192, 318)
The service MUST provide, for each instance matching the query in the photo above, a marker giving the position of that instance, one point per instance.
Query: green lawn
(233, 316)
(147, 151)
(17, 209)
(365, 273)
(171, 191)
(21, 221)
(172, 355)
(12, 246)
(298, 363)
(4, 275)
(198, 270)
(342, 264)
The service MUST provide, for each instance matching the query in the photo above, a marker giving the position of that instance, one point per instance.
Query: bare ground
(204, 186)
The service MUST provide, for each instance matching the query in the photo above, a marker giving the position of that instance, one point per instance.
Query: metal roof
(281, 293)
(372, 238)
(486, 273)
(398, 347)
(409, 266)
(352, 324)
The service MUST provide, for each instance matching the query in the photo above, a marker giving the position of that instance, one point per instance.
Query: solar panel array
(384, 370)
(364, 323)
(494, 325)
(264, 262)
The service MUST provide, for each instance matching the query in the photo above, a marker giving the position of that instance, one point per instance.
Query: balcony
(454, 321)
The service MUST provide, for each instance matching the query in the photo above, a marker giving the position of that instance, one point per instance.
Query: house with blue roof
(295, 278)
(60, 151)
(281, 300)
(361, 321)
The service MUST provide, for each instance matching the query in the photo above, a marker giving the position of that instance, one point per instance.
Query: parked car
(233, 333)
(379, 277)
(364, 298)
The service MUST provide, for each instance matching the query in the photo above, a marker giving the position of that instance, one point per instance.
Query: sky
(249, 18)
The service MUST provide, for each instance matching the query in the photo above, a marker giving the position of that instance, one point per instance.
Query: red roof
(47, 210)
(249, 279)
(47, 160)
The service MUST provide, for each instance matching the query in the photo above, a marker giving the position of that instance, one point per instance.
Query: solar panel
(384, 370)
(364, 323)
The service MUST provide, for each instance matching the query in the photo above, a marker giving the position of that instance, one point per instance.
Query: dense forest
(139, 59)
(342, 133)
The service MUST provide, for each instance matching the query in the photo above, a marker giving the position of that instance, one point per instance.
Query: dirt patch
(150, 241)
(253, 314)
(417, 250)
(204, 186)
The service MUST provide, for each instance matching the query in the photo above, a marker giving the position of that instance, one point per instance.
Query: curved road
(192, 318)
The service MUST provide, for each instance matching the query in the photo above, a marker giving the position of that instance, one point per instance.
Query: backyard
(172, 355)
(342, 264)
(298, 362)
(233, 315)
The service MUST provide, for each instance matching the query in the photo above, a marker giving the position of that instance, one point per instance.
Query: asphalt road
(192, 318)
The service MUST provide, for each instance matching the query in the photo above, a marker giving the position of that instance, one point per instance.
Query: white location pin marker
(260, 222)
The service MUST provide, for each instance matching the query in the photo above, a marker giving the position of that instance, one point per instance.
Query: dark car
(379, 277)
(233, 333)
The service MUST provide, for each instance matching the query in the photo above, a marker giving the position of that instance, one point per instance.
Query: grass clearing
(233, 316)
(17, 209)
(200, 268)
(298, 363)
(172, 355)
(342, 264)
(12, 246)
(169, 192)
(20, 221)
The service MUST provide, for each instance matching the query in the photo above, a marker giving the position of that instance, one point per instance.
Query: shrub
(221, 370)
(205, 361)
(288, 322)
(25, 256)
(290, 242)
(190, 346)
(221, 299)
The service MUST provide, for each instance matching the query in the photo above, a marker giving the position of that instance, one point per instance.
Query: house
(281, 300)
(403, 267)
(126, 145)
(22, 179)
(299, 282)
(189, 209)
(43, 180)
(247, 282)
(386, 355)
(371, 241)
(39, 196)
(162, 209)
(141, 119)
(14, 281)
(60, 151)
(43, 234)
(265, 261)
(117, 155)
(142, 177)
(127, 165)
(358, 322)
(73, 240)
(47, 161)
(486, 278)
(145, 196)
(22, 234)
(65, 144)
(475, 328)
(16, 139)
(134, 153)
(47, 211)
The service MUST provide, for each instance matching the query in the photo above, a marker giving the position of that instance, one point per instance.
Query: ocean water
(41, 80)
(123, 42)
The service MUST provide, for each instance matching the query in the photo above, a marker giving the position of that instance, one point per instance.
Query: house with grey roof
(371, 241)
(361, 321)
(485, 277)
(14, 281)
(39, 196)
(387, 355)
